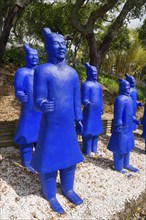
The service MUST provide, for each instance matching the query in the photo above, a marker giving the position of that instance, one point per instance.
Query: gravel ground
(104, 191)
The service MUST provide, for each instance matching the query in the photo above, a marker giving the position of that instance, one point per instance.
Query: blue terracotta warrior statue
(122, 138)
(29, 121)
(143, 122)
(57, 96)
(93, 109)
(134, 95)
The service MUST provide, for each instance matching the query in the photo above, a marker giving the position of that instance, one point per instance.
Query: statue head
(31, 56)
(55, 44)
(124, 87)
(131, 80)
(91, 72)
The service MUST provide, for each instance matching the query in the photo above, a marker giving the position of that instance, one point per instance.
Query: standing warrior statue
(122, 138)
(143, 122)
(93, 109)
(134, 95)
(29, 121)
(57, 96)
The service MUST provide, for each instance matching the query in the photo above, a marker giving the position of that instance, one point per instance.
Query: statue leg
(26, 155)
(87, 144)
(127, 165)
(118, 162)
(67, 182)
(48, 187)
(94, 144)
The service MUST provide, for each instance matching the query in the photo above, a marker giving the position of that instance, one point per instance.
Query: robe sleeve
(77, 100)
(85, 94)
(19, 83)
(118, 112)
(39, 88)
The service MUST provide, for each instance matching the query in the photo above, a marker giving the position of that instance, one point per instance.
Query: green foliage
(14, 56)
(110, 83)
(81, 72)
(141, 89)
(142, 34)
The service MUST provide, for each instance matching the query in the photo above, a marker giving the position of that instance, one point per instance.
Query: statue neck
(30, 66)
(60, 64)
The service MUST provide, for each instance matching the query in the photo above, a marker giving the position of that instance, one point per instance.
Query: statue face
(32, 57)
(125, 88)
(57, 47)
(92, 73)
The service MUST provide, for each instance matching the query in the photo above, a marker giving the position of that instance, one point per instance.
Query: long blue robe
(92, 123)
(29, 120)
(143, 122)
(57, 147)
(122, 142)
(133, 94)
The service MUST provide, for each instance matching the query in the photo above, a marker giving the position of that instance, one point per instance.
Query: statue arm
(77, 100)
(101, 98)
(118, 114)
(85, 95)
(39, 88)
(19, 85)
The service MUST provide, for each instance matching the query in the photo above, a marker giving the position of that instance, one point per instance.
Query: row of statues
(50, 109)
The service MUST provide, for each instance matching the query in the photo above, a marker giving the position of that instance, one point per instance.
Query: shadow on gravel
(19, 178)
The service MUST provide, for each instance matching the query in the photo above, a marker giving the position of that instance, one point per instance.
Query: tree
(142, 34)
(9, 13)
(126, 8)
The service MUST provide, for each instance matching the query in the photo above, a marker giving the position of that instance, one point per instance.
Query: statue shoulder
(44, 68)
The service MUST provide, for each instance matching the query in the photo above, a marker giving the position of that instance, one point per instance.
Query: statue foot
(56, 206)
(73, 197)
(121, 171)
(131, 168)
(28, 167)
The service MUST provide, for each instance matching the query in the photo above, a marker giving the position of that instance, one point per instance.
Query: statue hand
(79, 127)
(47, 106)
(139, 104)
(137, 122)
(23, 98)
(87, 103)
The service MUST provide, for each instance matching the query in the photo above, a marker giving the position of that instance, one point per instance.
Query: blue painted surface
(122, 138)
(134, 95)
(92, 111)
(57, 96)
(143, 122)
(29, 120)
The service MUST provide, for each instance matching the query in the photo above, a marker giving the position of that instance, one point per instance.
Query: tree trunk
(95, 56)
(10, 20)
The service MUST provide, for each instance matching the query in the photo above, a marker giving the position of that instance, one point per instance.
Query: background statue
(133, 94)
(122, 138)
(57, 96)
(93, 109)
(29, 121)
(143, 122)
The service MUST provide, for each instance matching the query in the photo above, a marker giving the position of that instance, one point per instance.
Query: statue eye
(56, 43)
(63, 43)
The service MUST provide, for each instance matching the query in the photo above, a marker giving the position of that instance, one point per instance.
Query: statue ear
(46, 32)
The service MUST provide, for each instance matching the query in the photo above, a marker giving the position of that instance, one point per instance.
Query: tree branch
(117, 24)
(99, 13)
(73, 19)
